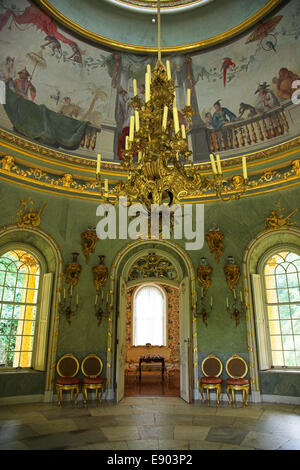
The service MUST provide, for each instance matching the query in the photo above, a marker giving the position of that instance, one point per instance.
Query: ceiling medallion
(165, 4)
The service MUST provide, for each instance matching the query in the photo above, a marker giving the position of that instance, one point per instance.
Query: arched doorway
(120, 280)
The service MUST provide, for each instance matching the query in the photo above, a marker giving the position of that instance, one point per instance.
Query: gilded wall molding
(71, 185)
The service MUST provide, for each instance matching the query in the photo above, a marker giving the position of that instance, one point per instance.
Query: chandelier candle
(219, 164)
(165, 117)
(213, 165)
(98, 163)
(244, 163)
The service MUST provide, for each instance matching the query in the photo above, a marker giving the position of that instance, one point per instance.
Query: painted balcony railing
(89, 138)
(243, 133)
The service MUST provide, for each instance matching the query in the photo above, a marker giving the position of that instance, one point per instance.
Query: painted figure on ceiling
(221, 115)
(284, 83)
(23, 85)
(266, 99)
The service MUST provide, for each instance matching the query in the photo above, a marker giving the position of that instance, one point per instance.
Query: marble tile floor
(145, 423)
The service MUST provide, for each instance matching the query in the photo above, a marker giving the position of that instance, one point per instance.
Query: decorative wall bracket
(89, 238)
(276, 220)
(204, 277)
(27, 216)
(100, 277)
(232, 273)
(72, 273)
(215, 241)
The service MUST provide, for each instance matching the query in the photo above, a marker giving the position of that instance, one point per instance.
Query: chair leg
(201, 392)
(245, 398)
(84, 393)
(208, 396)
(228, 395)
(101, 395)
(76, 396)
(218, 396)
(233, 397)
(59, 396)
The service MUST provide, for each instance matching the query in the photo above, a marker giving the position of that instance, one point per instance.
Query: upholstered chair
(67, 368)
(91, 368)
(237, 368)
(212, 368)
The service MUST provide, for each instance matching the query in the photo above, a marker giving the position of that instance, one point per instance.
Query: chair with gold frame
(212, 368)
(67, 368)
(92, 367)
(237, 368)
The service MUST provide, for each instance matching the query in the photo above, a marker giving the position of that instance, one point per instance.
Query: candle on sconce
(134, 87)
(227, 303)
(213, 164)
(139, 156)
(174, 100)
(71, 290)
(165, 117)
(234, 293)
(168, 70)
(98, 163)
(183, 131)
(96, 299)
(77, 299)
(219, 164)
(149, 70)
(127, 143)
(188, 97)
(244, 163)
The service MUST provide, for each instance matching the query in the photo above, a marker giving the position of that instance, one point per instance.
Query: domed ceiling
(192, 25)
(68, 94)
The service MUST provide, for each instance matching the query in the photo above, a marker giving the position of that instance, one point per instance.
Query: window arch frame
(164, 296)
(273, 250)
(38, 256)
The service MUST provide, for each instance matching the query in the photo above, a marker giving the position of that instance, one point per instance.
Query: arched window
(149, 316)
(281, 274)
(23, 311)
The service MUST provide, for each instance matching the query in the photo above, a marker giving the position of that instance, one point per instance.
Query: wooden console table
(148, 359)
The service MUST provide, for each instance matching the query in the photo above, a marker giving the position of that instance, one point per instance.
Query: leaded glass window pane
(282, 284)
(19, 284)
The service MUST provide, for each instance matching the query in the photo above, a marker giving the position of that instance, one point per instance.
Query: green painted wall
(66, 218)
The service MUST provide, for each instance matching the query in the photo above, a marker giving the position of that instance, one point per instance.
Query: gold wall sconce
(100, 277)
(215, 241)
(89, 240)
(235, 307)
(72, 274)
(204, 273)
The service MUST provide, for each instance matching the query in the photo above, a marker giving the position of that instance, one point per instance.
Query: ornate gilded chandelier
(156, 150)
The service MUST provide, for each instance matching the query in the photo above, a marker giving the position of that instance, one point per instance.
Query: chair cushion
(68, 381)
(211, 380)
(237, 382)
(93, 380)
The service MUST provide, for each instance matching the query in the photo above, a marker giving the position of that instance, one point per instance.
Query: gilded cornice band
(270, 5)
(28, 148)
(69, 185)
